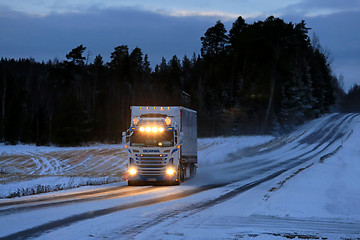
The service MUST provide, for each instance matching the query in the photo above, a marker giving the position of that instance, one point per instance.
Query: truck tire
(134, 183)
(176, 183)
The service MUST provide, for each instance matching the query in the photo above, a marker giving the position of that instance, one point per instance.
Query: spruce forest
(260, 78)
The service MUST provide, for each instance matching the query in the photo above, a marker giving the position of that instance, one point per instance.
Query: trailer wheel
(192, 169)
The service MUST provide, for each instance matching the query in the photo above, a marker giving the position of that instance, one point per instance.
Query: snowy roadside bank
(51, 184)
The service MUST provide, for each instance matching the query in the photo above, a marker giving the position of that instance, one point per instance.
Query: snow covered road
(304, 185)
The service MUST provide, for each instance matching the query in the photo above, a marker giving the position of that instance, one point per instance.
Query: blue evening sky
(48, 29)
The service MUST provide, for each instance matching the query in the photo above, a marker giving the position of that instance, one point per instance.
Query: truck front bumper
(139, 177)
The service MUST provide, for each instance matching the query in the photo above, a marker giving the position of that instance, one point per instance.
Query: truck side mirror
(123, 137)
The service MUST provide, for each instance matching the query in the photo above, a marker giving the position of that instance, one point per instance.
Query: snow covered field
(29, 169)
(301, 186)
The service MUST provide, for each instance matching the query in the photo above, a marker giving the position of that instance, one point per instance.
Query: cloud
(162, 34)
(313, 8)
(224, 10)
(100, 31)
(218, 15)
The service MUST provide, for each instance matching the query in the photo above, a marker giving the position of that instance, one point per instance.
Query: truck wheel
(175, 183)
(134, 183)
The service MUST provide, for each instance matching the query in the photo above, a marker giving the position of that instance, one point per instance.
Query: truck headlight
(132, 171)
(170, 171)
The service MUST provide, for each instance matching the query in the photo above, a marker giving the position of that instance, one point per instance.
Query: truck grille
(151, 164)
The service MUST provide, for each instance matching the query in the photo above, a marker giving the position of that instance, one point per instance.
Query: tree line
(259, 78)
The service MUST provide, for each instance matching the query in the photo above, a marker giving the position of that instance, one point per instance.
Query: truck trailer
(161, 144)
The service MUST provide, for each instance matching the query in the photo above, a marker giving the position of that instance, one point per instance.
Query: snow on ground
(216, 150)
(319, 201)
(50, 184)
(328, 189)
(30, 169)
(23, 148)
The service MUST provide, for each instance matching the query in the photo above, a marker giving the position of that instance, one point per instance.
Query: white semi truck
(161, 144)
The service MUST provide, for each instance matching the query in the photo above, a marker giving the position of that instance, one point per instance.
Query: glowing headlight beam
(148, 129)
(142, 129)
(161, 129)
(132, 171)
(154, 129)
(170, 171)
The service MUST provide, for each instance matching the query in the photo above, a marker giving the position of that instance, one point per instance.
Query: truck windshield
(140, 139)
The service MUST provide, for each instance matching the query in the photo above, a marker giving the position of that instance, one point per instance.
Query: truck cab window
(140, 139)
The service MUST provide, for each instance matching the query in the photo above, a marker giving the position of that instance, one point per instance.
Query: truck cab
(155, 146)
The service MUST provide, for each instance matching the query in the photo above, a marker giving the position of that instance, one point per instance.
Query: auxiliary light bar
(151, 129)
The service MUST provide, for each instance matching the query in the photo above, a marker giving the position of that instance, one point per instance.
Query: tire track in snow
(265, 160)
(79, 199)
(95, 161)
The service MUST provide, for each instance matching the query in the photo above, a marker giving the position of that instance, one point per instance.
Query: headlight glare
(170, 171)
(132, 171)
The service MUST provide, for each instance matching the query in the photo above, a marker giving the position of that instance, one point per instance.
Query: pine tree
(76, 55)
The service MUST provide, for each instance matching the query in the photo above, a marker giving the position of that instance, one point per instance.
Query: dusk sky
(48, 29)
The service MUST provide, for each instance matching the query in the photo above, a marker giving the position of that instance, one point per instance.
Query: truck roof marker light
(147, 108)
(178, 146)
(140, 108)
(161, 129)
(125, 146)
(154, 108)
(148, 129)
(168, 108)
(161, 108)
(142, 129)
